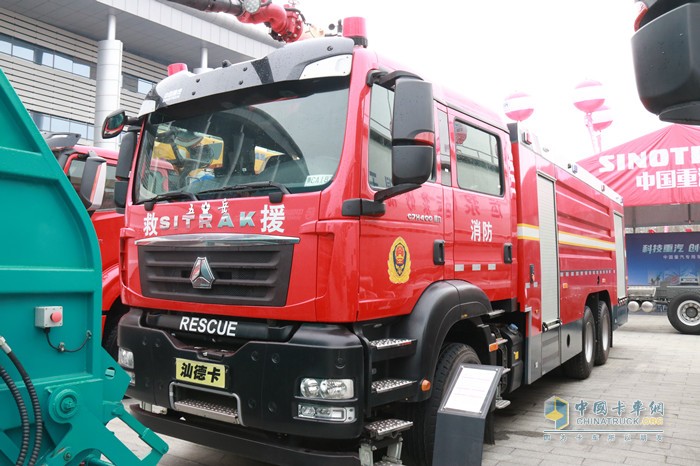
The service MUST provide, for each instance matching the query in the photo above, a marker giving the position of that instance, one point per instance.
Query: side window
(444, 149)
(479, 160)
(75, 175)
(381, 106)
(108, 198)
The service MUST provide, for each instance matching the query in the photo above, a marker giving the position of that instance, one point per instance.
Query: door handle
(508, 253)
(439, 252)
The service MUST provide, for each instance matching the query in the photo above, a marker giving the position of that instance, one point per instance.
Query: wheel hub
(689, 313)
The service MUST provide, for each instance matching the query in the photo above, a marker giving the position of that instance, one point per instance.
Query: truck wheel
(684, 313)
(109, 339)
(421, 438)
(581, 365)
(603, 334)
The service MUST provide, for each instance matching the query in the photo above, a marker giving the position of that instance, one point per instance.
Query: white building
(74, 61)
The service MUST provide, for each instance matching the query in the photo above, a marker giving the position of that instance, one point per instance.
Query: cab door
(484, 220)
(402, 250)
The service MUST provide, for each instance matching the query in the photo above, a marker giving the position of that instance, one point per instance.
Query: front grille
(247, 270)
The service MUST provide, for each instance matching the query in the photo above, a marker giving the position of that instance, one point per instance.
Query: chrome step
(380, 429)
(500, 404)
(392, 348)
(387, 385)
(214, 411)
(386, 391)
(387, 463)
(385, 343)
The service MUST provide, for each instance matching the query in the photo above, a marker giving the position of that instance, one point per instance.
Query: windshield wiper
(275, 197)
(173, 196)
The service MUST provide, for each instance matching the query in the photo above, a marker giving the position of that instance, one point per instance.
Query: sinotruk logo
(557, 410)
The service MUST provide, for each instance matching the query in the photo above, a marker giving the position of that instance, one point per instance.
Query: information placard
(462, 418)
(471, 390)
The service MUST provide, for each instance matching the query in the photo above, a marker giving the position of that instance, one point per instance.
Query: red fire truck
(106, 220)
(312, 310)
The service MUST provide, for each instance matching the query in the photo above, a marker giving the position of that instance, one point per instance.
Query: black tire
(684, 313)
(581, 365)
(420, 440)
(109, 341)
(603, 334)
(111, 329)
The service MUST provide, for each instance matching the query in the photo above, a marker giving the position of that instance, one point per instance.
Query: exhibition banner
(663, 258)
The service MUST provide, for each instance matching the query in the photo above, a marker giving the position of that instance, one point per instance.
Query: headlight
(126, 358)
(344, 414)
(327, 389)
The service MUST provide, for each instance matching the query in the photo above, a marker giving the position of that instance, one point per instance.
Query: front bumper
(246, 443)
(262, 377)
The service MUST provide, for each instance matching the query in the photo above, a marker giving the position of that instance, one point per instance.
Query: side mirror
(411, 164)
(114, 124)
(412, 132)
(665, 53)
(92, 184)
(126, 159)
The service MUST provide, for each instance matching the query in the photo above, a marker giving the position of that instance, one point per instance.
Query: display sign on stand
(461, 419)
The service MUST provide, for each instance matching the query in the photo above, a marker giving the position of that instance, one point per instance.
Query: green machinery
(59, 388)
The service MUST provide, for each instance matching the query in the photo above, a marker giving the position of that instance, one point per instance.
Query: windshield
(284, 136)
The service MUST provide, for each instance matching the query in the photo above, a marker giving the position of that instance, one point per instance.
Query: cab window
(479, 160)
(75, 175)
(380, 116)
(380, 138)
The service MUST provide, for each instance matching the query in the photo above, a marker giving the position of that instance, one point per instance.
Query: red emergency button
(56, 317)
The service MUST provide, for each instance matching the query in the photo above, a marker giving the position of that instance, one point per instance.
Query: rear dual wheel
(603, 333)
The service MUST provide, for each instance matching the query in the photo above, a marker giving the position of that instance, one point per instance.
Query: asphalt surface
(651, 367)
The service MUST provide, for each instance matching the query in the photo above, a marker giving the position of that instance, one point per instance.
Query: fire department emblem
(201, 276)
(399, 262)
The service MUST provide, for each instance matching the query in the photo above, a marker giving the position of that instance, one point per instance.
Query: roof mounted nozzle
(251, 6)
(233, 7)
(286, 23)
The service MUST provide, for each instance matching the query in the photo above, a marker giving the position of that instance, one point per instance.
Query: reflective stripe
(585, 242)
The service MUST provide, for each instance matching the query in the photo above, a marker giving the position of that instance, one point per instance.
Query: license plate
(202, 373)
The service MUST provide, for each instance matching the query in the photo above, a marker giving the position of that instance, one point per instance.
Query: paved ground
(650, 363)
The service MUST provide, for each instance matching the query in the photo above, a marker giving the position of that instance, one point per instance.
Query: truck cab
(106, 220)
(320, 302)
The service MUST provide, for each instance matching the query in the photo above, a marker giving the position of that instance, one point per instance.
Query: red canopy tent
(659, 169)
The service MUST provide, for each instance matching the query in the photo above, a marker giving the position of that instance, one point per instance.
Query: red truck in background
(313, 308)
(106, 220)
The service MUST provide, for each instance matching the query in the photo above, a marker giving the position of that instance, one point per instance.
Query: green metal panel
(50, 257)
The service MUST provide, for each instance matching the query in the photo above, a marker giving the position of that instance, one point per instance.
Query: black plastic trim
(442, 305)
(360, 207)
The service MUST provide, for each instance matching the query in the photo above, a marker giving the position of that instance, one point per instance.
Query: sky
(491, 49)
